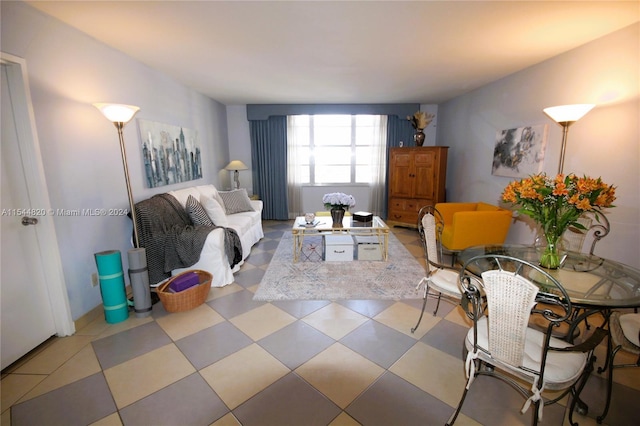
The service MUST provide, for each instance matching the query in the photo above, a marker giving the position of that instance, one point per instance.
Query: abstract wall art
(519, 152)
(171, 154)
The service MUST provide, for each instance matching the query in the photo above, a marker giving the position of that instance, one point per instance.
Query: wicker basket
(189, 298)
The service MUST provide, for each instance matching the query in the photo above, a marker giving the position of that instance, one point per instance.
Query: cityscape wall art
(171, 154)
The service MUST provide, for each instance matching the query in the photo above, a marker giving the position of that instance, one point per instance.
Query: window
(336, 149)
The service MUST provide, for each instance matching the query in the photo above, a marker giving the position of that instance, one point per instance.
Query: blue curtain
(269, 160)
(399, 129)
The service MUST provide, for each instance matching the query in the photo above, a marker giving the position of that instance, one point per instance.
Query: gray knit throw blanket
(172, 241)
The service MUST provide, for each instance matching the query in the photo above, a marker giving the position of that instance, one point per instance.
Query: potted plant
(557, 203)
(338, 203)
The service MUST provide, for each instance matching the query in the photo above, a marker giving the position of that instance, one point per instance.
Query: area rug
(314, 279)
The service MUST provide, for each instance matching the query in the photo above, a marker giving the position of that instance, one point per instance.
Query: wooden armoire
(416, 178)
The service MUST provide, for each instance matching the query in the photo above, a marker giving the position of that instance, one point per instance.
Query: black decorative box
(363, 216)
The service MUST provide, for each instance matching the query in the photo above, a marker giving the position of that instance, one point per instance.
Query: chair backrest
(598, 228)
(512, 289)
(510, 298)
(573, 238)
(430, 226)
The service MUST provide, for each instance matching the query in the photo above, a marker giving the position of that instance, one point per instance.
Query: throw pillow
(236, 201)
(215, 211)
(211, 192)
(197, 213)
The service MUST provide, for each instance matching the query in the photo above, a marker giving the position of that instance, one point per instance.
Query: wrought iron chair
(624, 335)
(597, 227)
(502, 345)
(440, 280)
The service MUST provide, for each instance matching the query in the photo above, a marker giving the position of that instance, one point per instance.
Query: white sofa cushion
(211, 192)
(183, 194)
(241, 222)
(214, 210)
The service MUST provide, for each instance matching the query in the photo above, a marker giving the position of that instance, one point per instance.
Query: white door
(27, 316)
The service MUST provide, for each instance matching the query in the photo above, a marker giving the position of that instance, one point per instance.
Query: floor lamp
(566, 115)
(120, 115)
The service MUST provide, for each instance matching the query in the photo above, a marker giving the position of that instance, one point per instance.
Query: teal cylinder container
(112, 288)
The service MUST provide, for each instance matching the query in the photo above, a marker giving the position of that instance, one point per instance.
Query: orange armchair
(472, 224)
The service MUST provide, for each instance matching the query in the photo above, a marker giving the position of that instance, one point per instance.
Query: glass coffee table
(323, 226)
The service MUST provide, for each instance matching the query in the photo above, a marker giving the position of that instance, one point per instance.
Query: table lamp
(236, 165)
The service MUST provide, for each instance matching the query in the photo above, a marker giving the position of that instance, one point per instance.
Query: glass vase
(551, 257)
(419, 137)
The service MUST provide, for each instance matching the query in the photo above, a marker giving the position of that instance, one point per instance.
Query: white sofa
(213, 258)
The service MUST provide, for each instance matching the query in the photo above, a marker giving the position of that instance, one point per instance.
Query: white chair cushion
(214, 211)
(630, 324)
(445, 281)
(562, 367)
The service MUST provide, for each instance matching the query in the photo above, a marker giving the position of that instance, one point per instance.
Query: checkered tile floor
(234, 361)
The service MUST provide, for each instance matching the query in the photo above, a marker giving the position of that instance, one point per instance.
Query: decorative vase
(337, 214)
(551, 257)
(418, 138)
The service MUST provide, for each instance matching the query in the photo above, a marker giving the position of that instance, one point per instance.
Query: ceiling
(282, 52)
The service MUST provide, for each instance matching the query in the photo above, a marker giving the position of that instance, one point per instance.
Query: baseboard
(95, 313)
(89, 317)
(395, 224)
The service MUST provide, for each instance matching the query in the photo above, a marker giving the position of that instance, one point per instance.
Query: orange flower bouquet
(557, 203)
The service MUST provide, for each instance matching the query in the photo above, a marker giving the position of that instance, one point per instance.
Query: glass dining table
(592, 282)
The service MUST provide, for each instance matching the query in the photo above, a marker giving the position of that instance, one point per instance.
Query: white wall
(68, 71)
(604, 143)
(240, 143)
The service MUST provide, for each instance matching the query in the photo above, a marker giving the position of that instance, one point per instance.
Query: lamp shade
(568, 113)
(236, 165)
(117, 113)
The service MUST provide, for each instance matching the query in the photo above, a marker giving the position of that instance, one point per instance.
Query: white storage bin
(338, 248)
(369, 248)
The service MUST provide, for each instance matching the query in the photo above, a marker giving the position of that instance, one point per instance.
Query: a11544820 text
(35, 212)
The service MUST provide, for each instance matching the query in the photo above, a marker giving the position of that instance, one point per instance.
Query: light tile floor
(234, 361)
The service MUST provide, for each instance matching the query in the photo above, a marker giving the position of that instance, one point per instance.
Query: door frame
(29, 145)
